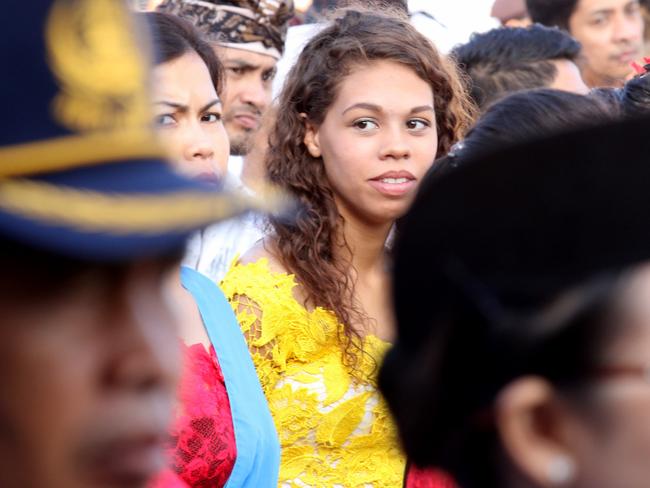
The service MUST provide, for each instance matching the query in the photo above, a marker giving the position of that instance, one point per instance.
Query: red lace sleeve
(427, 478)
(202, 447)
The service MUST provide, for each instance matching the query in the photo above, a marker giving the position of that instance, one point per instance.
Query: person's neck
(253, 174)
(367, 243)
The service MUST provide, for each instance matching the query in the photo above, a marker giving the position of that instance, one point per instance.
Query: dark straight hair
(173, 37)
(554, 13)
(505, 60)
(532, 114)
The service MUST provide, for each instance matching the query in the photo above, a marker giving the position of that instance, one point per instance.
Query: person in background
(633, 99)
(188, 111)
(635, 95)
(366, 109)
(223, 431)
(248, 36)
(611, 33)
(511, 13)
(506, 60)
(528, 365)
(93, 222)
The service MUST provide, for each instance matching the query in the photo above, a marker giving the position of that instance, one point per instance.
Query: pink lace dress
(427, 478)
(202, 446)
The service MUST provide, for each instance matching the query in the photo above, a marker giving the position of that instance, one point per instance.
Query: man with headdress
(249, 37)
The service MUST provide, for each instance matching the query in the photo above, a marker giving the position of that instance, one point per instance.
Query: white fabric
(297, 37)
(212, 250)
(454, 21)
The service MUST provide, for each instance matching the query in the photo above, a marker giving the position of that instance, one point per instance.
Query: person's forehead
(244, 56)
(183, 79)
(591, 6)
(385, 84)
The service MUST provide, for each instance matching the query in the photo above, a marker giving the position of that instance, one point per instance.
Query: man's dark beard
(242, 146)
(241, 149)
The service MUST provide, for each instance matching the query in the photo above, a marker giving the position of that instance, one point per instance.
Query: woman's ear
(311, 137)
(533, 425)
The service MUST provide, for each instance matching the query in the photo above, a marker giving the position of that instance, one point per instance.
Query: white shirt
(212, 250)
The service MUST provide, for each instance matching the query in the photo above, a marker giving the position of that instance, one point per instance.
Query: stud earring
(561, 470)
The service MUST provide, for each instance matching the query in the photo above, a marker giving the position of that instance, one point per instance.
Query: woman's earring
(561, 470)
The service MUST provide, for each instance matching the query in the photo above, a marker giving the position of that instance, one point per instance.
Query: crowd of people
(411, 268)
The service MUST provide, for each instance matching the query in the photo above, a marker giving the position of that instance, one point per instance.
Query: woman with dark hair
(364, 112)
(187, 82)
(223, 432)
(528, 366)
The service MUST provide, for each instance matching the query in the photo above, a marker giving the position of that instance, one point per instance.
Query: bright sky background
(459, 17)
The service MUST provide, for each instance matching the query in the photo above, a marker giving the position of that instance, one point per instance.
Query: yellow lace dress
(334, 429)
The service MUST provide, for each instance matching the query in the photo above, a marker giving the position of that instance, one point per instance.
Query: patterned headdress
(254, 25)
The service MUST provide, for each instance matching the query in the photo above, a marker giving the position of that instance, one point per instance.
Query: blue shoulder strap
(258, 449)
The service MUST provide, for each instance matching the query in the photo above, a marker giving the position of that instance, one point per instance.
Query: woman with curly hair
(364, 112)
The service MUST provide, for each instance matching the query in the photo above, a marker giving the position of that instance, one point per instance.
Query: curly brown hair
(309, 244)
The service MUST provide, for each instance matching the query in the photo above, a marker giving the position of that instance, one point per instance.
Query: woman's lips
(394, 184)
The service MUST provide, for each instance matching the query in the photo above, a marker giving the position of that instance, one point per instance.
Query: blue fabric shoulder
(258, 449)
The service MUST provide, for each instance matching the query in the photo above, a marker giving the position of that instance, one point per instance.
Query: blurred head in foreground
(506, 60)
(528, 365)
(529, 115)
(91, 221)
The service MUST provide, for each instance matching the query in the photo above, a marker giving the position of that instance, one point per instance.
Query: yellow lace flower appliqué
(334, 429)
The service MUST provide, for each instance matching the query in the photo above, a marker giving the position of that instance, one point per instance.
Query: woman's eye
(165, 120)
(365, 125)
(417, 124)
(211, 118)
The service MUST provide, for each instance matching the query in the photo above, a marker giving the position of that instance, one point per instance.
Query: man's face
(88, 368)
(611, 34)
(249, 79)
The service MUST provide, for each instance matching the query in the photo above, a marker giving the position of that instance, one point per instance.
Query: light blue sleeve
(258, 449)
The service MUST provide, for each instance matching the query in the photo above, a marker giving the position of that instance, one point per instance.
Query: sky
(457, 20)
